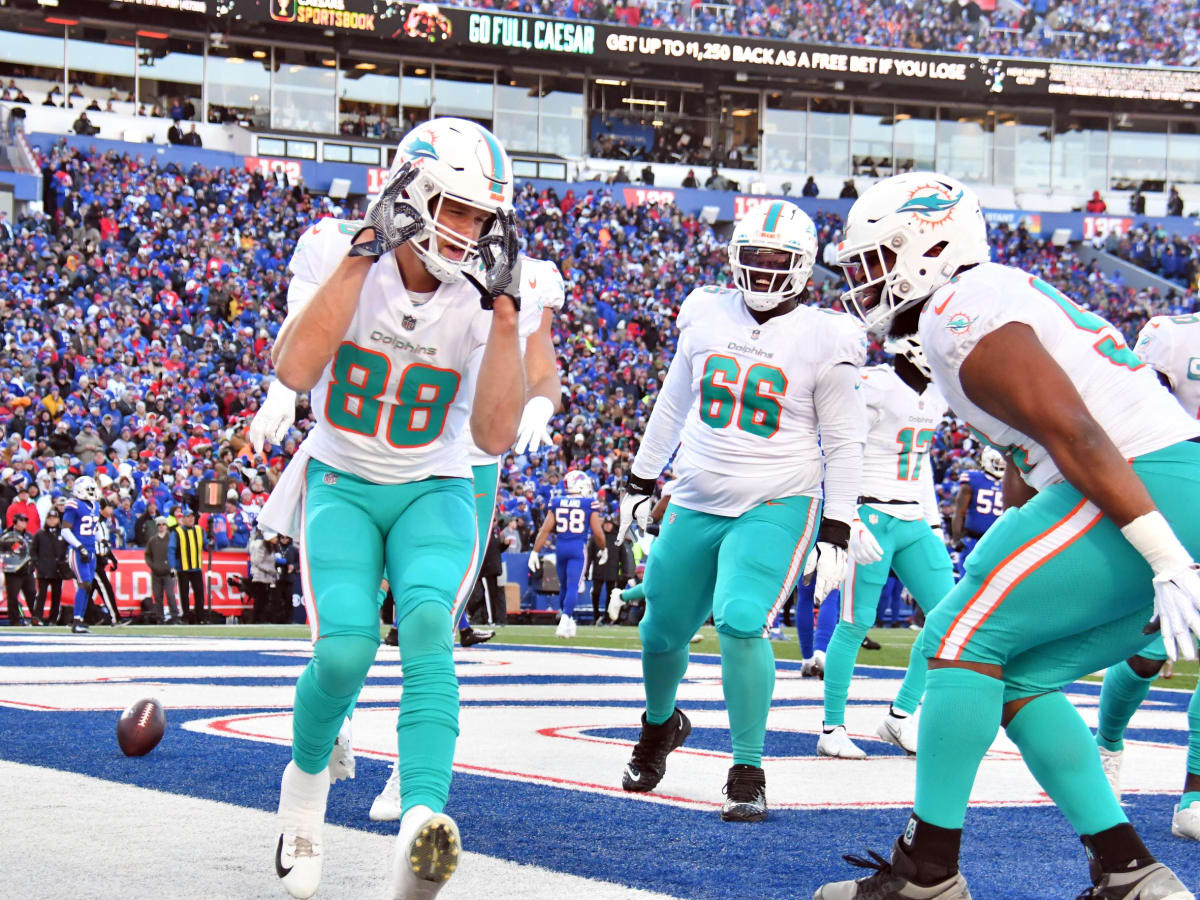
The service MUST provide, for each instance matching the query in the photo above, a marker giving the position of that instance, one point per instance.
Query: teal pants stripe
(422, 534)
(485, 481)
(741, 569)
(920, 560)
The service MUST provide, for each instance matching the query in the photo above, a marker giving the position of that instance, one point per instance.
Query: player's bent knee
(1145, 668)
(425, 628)
(341, 662)
(741, 619)
(659, 636)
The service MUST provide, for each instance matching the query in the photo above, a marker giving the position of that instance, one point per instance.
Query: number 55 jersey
(747, 400)
(1120, 391)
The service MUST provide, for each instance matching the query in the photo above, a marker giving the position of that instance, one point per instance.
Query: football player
(81, 524)
(1062, 586)
(755, 377)
(977, 504)
(572, 517)
(1171, 346)
(399, 341)
(898, 527)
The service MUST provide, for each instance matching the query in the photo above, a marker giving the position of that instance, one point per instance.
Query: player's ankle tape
(933, 849)
(1116, 848)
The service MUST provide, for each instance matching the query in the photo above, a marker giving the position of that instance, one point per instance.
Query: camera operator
(18, 570)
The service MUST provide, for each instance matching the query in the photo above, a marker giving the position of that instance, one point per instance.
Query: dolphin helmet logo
(419, 148)
(931, 203)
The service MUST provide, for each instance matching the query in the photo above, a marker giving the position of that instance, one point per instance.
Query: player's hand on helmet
(533, 431)
(1177, 610)
(826, 565)
(391, 219)
(863, 547)
(535, 561)
(274, 417)
(635, 505)
(500, 253)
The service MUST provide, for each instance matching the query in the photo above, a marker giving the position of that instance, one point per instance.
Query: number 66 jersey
(1120, 391)
(747, 400)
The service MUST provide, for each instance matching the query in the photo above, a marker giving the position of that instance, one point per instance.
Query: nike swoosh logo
(774, 503)
(533, 282)
(279, 869)
(316, 230)
(480, 496)
(938, 310)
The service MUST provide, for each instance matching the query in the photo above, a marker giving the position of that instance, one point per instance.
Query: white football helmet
(460, 160)
(772, 229)
(577, 482)
(992, 462)
(85, 488)
(929, 225)
(910, 348)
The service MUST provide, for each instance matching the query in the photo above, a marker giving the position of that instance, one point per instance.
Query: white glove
(274, 417)
(533, 431)
(602, 556)
(863, 547)
(635, 505)
(828, 563)
(1177, 610)
(535, 561)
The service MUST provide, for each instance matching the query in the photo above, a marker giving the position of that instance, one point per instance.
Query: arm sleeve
(929, 504)
(318, 253)
(173, 552)
(666, 421)
(842, 419)
(69, 537)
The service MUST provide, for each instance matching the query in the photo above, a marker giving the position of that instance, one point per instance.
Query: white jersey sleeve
(318, 253)
(1122, 394)
(1171, 345)
(541, 284)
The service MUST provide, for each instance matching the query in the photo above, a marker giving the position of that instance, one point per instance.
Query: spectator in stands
(49, 101)
(76, 92)
(849, 191)
(810, 188)
(1174, 202)
(192, 139)
(23, 506)
(647, 175)
(1096, 204)
(20, 97)
(715, 181)
(689, 180)
(6, 233)
(620, 176)
(83, 125)
(94, 106)
(1137, 202)
(174, 134)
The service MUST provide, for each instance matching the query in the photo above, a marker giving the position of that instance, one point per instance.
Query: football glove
(1177, 610)
(602, 556)
(84, 554)
(533, 431)
(500, 253)
(635, 505)
(274, 417)
(827, 563)
(393, 220)
(535, 561)
(863, 547)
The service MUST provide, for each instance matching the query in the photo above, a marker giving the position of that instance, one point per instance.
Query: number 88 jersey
(393, 401)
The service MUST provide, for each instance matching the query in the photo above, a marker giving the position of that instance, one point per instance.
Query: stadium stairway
(1134, 275)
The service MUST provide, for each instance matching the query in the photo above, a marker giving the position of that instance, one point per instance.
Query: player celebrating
(397, 341)
(898, 527)
(1171, 346)
(571, 516)
(754, 377)
(1061, 586)
(978, 503)
(81, 523)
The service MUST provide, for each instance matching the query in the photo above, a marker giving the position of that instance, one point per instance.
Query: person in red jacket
(22, 505)
(1096, 204)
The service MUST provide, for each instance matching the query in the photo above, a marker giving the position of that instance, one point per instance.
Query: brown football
(141, 727)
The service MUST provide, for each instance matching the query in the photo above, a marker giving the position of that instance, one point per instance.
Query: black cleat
(648, 764)
(79, 628)
(745, 795)
(393, 637)
(468, 637)
(869, 644)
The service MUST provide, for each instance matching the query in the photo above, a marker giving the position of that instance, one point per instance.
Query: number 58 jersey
(1121, 392)
(392, 403)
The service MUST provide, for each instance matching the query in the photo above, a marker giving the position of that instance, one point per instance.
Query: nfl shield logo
(754, 334)
(330, 478)
(409, 323)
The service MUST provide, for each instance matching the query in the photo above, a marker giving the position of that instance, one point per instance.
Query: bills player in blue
(572, 515)
(80, 522)
(977, 505)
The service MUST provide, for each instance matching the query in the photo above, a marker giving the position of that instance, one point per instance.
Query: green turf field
(896, 642)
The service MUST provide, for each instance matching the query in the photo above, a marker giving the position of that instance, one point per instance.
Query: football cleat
(386, 807)
(392, 638)
(745, 795)
(776, 634)
(301, 814)
(298, 865)
(77, 627)
(899, 730)
(566, 627)
(837, 743)
(648, 764)
(892, 881)
(1185, 823)
(427, 853)
(574, 626)
(697, 637)
(1111, 760)
(868, 644)
(341, 760)
(814, 666)
(614, 604)
(1153, 881)
(469, 637)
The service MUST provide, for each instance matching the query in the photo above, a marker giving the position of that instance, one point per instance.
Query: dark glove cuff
(834, 532)
(636, 485)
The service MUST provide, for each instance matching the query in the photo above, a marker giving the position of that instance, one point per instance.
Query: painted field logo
(960, 323)
(933, 204)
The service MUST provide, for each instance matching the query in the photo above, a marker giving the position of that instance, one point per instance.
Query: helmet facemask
(877, 289)
(767, 276)
(437, 237)
(910, 348)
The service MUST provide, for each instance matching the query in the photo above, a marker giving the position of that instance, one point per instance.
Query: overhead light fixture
(615, 82)
(365, 66)
(259, 54)
(329, 62)
(742, 113)
(903, 117)
(420, 72)
(640, 102)
(236, 60)
(658, 123)
(155, 35)
(293, 69)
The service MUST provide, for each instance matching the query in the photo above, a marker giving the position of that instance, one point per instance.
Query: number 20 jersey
(392, 403)
(1122, 393)
(1171, 345)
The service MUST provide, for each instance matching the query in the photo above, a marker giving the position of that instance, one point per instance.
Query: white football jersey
(900, 429)
(1120, 391)
(392, 403)
(740, 395)
(1171, 345)
(541, 288)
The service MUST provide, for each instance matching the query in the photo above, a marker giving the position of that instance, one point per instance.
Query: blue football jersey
(82, 518)
(987, 501)
(572, 518)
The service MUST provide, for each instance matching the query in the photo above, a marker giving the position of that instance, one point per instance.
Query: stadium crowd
(1163, 32)
(140, 306)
